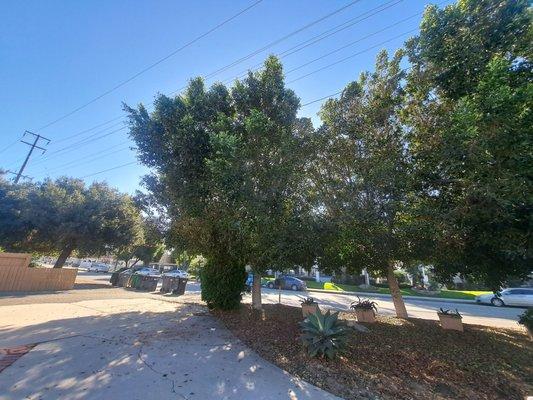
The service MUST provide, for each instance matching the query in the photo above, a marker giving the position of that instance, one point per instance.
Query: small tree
(361, 176)
(228, 165)
(63, 215)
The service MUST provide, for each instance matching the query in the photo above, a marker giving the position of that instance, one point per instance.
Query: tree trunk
(256, 292)
(65, 253)
(397, 299)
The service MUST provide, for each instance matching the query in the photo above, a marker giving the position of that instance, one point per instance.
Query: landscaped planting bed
(396, 359)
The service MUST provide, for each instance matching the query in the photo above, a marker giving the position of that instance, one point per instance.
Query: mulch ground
(396, 359)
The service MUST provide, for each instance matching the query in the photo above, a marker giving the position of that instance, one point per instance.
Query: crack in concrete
(162, 374)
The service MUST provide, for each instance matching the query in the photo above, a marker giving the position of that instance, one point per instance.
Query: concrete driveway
(110, 343)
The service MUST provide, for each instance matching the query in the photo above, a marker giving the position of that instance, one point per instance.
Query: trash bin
(148, 283)
(180, 289)
(123, 279)
(169, 283)
(173, 284)
(134, 281)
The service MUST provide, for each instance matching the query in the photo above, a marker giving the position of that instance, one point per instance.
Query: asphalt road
(503, 317)
(88, 286)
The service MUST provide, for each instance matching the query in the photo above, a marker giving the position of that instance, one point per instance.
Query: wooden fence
(17, 276)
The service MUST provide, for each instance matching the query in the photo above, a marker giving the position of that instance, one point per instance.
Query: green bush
(323, 335)
(222, 285)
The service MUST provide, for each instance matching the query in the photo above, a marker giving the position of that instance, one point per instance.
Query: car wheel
(497, 302)
(294, 287)
(270, 285)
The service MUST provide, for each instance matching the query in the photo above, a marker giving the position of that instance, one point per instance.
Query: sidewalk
(134, 348)
(388, 296)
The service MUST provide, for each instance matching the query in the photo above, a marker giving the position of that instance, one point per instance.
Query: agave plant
(323, 335)
(365, 304)
(450, 313)
(307, 300)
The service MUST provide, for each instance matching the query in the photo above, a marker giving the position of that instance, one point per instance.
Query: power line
(124, 82)
(90, 129)
(292, 50)
(229, 65)
(324, 35)
(322, 98)
(90, 157)
(352, 43)
(306, 43)
(281, 39)
(9, 146)
(109, 169)
(83, 142)
(352, 56)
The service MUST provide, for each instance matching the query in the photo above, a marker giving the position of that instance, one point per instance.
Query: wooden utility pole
(32, 146)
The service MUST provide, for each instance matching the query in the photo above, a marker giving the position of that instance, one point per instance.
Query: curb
(388, 296)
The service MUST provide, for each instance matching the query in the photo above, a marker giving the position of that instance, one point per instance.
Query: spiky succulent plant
(323, 335)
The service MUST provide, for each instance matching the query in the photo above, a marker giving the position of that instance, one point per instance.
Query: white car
(177, 273)
(147, 271)
(509, 297)
(98, 268)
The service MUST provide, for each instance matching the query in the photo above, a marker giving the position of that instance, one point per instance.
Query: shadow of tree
(184, 353)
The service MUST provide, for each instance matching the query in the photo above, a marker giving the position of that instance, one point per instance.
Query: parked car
(146, 271)
(177, 273)
(287, 283)
(509, 297)
(94, 267)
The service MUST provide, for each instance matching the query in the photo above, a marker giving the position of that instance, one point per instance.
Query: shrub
(526, 319)
(222, 285)
(323, 335)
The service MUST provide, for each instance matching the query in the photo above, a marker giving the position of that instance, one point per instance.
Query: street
(504, 317)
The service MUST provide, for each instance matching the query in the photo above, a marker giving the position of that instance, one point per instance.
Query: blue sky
(57, 55)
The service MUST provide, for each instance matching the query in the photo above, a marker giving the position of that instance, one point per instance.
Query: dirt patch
(396, 359)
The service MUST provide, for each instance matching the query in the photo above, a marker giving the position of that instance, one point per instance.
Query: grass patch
(397, 359)
(445, 294)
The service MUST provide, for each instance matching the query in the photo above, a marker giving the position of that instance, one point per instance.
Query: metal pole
(32, 146)
(21, 170)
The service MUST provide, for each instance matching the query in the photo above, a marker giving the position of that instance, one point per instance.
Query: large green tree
(362, 178)
(227, 168)
(62, 216)
(469, 112)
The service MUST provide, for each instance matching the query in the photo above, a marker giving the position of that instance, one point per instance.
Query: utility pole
(22, 176)
(33, 146)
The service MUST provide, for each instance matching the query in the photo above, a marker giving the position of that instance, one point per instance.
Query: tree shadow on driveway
(184, 354)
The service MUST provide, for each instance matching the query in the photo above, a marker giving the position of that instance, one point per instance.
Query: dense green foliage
(58, 217)
(228, 168)
(470, 137)
(222, 287)
(323, 335)
(426, 165)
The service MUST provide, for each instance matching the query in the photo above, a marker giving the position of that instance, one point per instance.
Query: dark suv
(287, 283)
